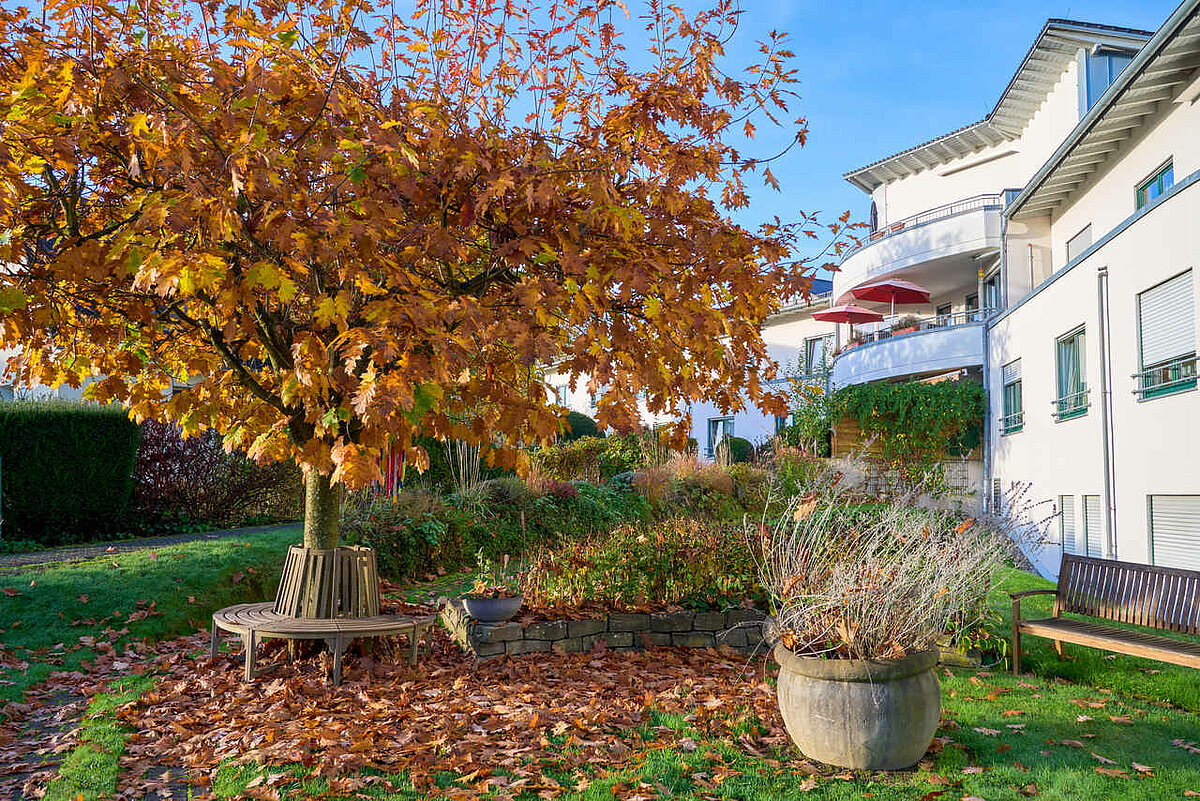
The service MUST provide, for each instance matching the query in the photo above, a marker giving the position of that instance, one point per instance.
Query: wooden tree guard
(338, 583)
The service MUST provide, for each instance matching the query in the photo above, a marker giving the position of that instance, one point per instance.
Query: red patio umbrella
(848, 314)
(894, 290)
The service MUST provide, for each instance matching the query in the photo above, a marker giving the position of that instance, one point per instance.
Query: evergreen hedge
(66, 471)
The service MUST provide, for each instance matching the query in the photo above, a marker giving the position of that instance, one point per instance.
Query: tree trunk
(322, 508)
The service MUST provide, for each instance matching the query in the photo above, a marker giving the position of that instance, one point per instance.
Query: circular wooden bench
(255, 622)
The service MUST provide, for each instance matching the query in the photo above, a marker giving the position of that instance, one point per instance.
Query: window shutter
(1167, 320)
(1093, 526)
(1175, 530)
(1011, 372)
(1066, 523)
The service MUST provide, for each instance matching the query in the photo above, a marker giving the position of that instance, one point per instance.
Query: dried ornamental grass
(871, 586)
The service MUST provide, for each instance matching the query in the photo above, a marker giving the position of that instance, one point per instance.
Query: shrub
(67, 469)
(194, 482)
(883, 582)
(419, 532)
(736, 449)
(639, 567)
(579, 425)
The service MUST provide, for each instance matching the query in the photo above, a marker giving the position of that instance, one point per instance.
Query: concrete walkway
(96, 550)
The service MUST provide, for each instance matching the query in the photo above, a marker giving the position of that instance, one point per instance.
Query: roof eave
(1096, 113)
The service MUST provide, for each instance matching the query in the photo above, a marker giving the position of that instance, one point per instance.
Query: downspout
(1110, 537)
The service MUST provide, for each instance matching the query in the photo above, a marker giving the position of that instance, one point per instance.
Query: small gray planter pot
(878, 714)
(493, 610)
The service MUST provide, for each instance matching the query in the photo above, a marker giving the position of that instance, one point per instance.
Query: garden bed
(617, 631)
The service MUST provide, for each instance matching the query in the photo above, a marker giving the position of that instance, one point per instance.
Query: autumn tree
(327, 229)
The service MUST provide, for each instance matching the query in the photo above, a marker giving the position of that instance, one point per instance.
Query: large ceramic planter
(493, 610)
(862, 714)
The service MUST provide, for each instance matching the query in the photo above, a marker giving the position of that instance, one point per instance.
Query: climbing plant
(916, 423)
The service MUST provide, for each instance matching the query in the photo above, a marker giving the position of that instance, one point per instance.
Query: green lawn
(57, 616)
(1094, 726)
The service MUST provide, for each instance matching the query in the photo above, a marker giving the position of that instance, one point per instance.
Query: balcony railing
(1012, 423)
(1174, 376)
(1072, 405)
(924, 324)
(932, 215)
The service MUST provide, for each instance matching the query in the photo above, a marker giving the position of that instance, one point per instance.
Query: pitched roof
(1054, 47)
(1170, 60)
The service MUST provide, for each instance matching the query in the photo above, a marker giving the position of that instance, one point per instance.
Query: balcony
(933, 345)
(954, 232)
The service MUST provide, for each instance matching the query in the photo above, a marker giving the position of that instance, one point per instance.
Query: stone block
(709, 621)
(546, 630)
(501, 633)
(611, 639)
(515, 647)
(582, 628)
(753, 636)
(489, 649)
(571, 645)
(692, 639)
(736, 616)
(651, 639)
(628, 621)
(734, 638)
(671, 621)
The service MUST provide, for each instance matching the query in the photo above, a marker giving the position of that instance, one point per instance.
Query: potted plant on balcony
(858, 606)
(495, 597)
(855, 340)
(906, 325)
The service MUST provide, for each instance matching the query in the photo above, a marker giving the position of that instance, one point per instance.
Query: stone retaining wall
(736, 628)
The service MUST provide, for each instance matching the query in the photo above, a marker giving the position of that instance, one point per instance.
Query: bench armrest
(1016, 602)
(1023, 593)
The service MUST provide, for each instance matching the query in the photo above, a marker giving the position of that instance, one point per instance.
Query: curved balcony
(940, 344)
(924, 246)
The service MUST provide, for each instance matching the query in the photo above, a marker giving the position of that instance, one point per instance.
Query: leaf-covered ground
(165, 721)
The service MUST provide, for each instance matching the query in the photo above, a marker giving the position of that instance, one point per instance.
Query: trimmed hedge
(579, 425)
(67, 469)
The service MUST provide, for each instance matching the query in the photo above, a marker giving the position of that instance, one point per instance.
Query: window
(997, 497)
(781, 423)
(718, 429)
(1071, 377)
(1103, 66)
(991, 292)
(1013, 419)
(1156, 185)
(561, 394)
(816, 353)
(874, 217)
(1167, 338)
(943, 313)
(1093, 526)
(1175, 531)
(1066, 524)
(1079, 243)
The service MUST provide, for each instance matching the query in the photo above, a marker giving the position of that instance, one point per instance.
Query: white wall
(1155, 442)
(1110, 196)
(931, 188)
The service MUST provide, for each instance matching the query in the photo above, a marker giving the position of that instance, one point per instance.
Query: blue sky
(878, 77)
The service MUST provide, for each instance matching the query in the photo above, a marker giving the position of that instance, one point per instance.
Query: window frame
(1062, 412)
(1006, 425)
(711, 446)
(1142, 198)
(1183, 382)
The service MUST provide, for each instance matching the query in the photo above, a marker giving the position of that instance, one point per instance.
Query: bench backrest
(1126, 592)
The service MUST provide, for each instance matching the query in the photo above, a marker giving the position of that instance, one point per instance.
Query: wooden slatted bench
(255, 622)
(1163, 598)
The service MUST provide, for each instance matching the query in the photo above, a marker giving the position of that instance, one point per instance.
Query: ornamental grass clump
(885, 585)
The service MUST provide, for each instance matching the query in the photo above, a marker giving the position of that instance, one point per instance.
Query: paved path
(79, 553)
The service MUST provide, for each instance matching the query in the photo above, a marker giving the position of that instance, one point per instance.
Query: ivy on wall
(916, 423)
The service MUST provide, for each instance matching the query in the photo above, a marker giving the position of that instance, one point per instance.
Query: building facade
(1057, 238)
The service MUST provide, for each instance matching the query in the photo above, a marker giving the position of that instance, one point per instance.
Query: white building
(1058, 238)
